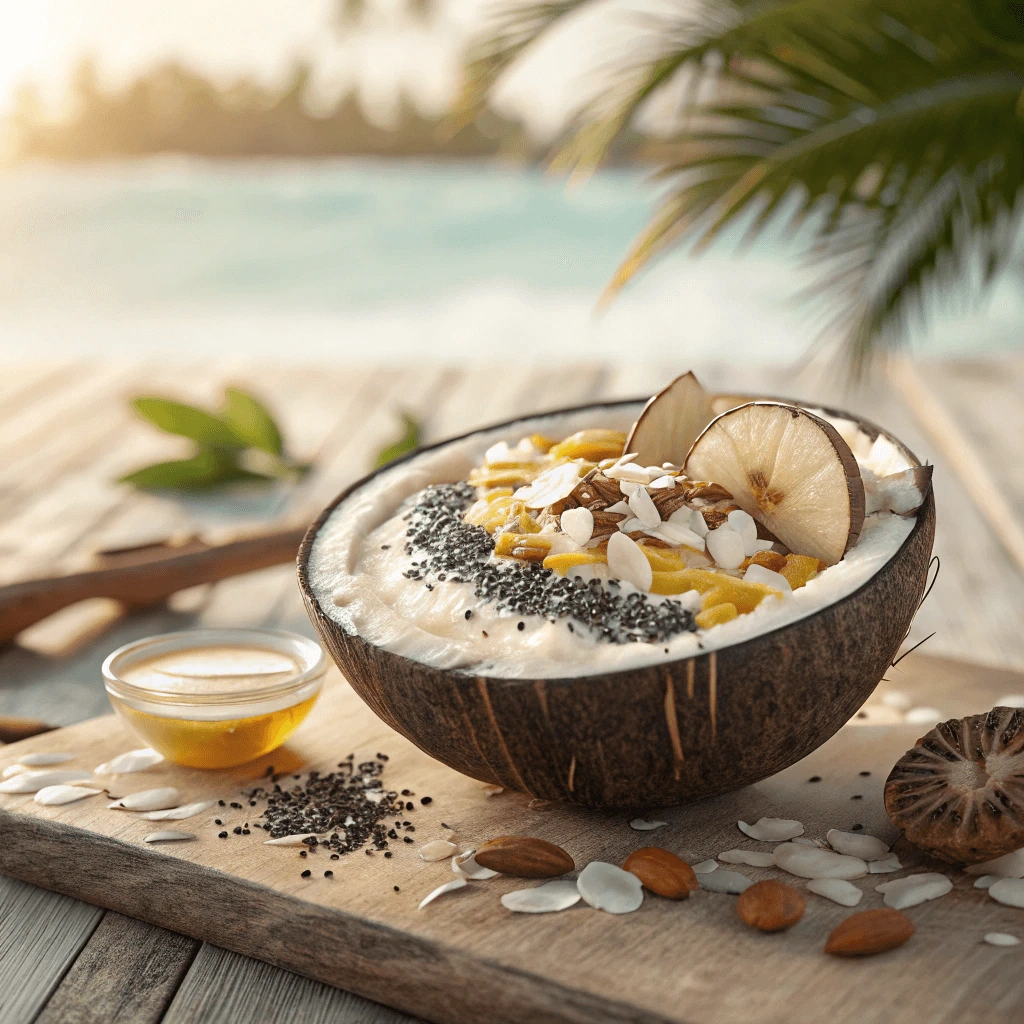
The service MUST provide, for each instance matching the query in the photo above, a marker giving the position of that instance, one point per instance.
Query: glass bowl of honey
(215, 698)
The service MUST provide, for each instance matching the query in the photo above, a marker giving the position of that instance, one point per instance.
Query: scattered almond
(662, 872)
(869, 932)
(524, 857)
(771, 906)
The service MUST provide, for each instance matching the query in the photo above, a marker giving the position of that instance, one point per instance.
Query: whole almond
(662, 872)
(524, 857)
(771, 906)
(870, 931)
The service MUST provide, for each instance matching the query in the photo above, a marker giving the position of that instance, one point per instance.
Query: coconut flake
(743, 523)
(838, 890)
(675, 533)
(915, 889)
(705, 867)
(578, 523)
(607, 887)
(180, 813)
(923, 716)
(641, 505)
(663, 483)
(813, 863)
(725, 546)
(297, 839)
(551, 486)
(698, 523)
(768, 577)
(627, 562)
(465, 864)
(1008, 891)
(33, 781)
(54, 796)
(985, 881)
(148, 800)
(724, 881)
(749, 857)
(628, 472)
(857, 844)
(132, 761)
(455, 883)
(885, 865)
(439, 849)
(1010, 865)
(560, 894)
(40, 760)
(620, 508)
(168, 835)
(772, 830)
(1001, 938)
(646, 826)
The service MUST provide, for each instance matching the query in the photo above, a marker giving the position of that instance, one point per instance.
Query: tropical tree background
(889, 132)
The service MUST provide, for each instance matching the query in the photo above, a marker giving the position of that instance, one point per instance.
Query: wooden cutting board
(464, 958)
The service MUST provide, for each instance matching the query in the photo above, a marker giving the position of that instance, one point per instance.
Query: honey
(215, 698)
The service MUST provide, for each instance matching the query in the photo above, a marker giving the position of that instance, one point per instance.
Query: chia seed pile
(447, 549)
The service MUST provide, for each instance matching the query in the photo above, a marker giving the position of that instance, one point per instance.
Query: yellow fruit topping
(570, 559)
(769, 559)
(674, 559)
(800, 568)
(506, 477)
(541, 443)
(532, 547)
(592, 445)
(716, 616)
(745, 596)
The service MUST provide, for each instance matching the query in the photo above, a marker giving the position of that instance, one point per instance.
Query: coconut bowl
(668, 733)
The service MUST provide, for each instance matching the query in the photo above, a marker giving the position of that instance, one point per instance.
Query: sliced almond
(524, 857)
(133, 761)
(788, 469)
(439, 849)
(870, 932)
(33, 781)
(627, 562)
(670, 422)
(771, 906)
(55, 796)
(662, 872)
(148, 800)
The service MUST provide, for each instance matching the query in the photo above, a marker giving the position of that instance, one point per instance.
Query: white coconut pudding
(614, 537)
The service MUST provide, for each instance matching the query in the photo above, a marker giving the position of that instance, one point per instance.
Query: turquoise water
(382, 260)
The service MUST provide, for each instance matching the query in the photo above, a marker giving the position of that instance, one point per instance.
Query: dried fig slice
(670, 423)
(959, 794)
(790, 470)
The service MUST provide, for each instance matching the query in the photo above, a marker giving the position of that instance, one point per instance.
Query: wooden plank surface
(691, 962)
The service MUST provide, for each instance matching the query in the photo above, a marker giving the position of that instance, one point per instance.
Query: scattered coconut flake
(663, 483)
(465, 864)
(1001, 938)
(490, 790)
(455, 883)
(628, 472)
(724, 881)
(923, 716)
(1010, 865)
(578, 523)
(439, 849)
(915, 889)
(619, 508)
(698, 523)
(676, 534)
(33, 781)
(772, 830)
(857, 844)
(985, 881)
(298, 839)
(897, 699)
(41, 759)
(743, 523)
(180, 813)
(168, 836)
(1011, 700)
(132, 761)
(725, 546)
(148, 800)
(646, 826)
(838, 890)
(627, 562)
(885, 865)
(54, 796)
(768, 577)
(643, 507)
(813, 863)
(752, 858)
(763, 545)
(1008, 891)
(561, 894)
(607, 887)
(705, 867)
(551, 486)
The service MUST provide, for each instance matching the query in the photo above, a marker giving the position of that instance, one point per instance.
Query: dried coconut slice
(551, 486)
(33, 781)
(455, 883)
(724, 881)
(168, 835)
(646, 826)
(857, 844)
(813, 863)
(609, 888)
(670, 422)
(772, 830)
(55, 796)
(1001, 939)
(465, 864)
(439, 849)
(752, 858)
(788, 469)
(627, 562)
(133, 761)
(148, 800)
(838, 890)
(1008, 891)
(561, 894)
(915, 889)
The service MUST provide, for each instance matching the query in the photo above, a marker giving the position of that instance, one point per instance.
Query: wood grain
(127, 974)
(464, 959)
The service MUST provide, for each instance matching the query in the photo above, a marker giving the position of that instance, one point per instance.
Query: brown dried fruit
(709, 492)
(959, 793)
(606, 523)
(771, 906)
(524, 857)
(662, 872)
(870, 931)
(769, 559)
(667, 500)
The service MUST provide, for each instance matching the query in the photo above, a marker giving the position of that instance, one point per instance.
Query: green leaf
(408, 442)
(172, 417)
(250, 422)
(201, 472)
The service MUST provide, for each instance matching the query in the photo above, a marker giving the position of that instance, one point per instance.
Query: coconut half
(790, 470)
(670, 422)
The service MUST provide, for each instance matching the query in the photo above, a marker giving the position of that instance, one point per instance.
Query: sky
(41, 40)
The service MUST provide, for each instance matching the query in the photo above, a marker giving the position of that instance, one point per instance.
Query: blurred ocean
(374, 261)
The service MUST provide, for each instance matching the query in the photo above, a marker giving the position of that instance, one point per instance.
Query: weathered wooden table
(67, 433)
